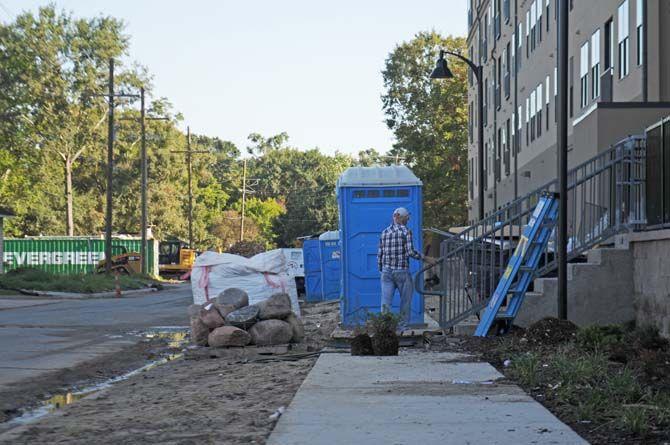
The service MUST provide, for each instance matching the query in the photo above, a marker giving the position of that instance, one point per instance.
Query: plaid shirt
(395, 248)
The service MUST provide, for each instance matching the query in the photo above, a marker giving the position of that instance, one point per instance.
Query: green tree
(429, 120)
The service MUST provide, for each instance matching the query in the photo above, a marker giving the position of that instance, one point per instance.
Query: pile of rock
(229, 320)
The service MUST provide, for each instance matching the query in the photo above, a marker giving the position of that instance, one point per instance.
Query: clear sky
(308, 67)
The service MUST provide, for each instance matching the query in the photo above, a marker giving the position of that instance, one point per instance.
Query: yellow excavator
(175, 257)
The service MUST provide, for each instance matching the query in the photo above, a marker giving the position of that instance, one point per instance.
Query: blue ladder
(522, 266)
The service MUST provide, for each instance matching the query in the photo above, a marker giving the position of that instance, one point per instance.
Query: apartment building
(619, 80)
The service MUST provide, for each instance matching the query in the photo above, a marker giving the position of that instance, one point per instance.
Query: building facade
(618, 76)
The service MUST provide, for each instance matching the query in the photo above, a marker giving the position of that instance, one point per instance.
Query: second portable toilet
(312, 263)
(366, 199)
(330, 264)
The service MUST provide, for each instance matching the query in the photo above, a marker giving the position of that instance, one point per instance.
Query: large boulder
(278, 306)
(199, 332)
(271, 332)
(194, 310)
(230, 300)
(228, 336)
(297, 328)
(243, 318)
(211, 316)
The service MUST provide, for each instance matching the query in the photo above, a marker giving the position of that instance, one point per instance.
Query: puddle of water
(176, 338)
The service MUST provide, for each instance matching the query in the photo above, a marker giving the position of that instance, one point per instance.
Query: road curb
(84, 296)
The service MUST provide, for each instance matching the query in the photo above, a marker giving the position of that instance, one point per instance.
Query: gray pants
(400, 279)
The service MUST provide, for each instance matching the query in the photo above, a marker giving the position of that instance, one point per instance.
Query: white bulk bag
(259, 276)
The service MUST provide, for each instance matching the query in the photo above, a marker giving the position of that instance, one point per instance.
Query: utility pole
(110, 175)
(190, 187)
(110, 164)
(247, 183)
(244, 198)
(145, 179)
(562, 159)
(143, 185)
(189, 162)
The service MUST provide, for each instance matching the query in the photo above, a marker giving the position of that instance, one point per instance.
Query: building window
(506, 11)
(547, 16)
(497, 19)
(538, 11)
(527, 34)
(470, 174)
(485, 179)
(533, 111)
(584, 74)
(624, 41)
(518, 129)
(498, 82)
(498, 153)
(506, 80)
(547, 91)
(609, 45)
(533, 30)
(527, 121)
(483, 40)
(571, 86)
(486, 102)
(539, 105)
(506, 146)
(470, 121)
(639, 16)
(595, 64)
(519, 40)
(555, 94)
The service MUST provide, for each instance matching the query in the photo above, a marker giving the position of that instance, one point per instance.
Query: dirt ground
(200, 400)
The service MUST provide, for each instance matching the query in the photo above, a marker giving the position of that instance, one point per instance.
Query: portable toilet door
(312, 263)
(330, 264)
(367, 197)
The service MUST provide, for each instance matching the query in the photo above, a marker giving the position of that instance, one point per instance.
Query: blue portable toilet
(330, 264)
(366, 199)
(312, 264)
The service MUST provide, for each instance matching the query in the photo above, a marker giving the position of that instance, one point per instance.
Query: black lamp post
(442, 71)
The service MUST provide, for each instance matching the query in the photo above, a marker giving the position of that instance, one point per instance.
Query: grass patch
(39, 280)
(610, 383)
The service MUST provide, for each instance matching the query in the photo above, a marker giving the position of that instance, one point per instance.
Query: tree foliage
(429, 120)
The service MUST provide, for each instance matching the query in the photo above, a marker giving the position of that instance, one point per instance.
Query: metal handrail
(609, 190)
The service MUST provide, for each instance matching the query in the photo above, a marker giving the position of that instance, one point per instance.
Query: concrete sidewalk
(420, 398)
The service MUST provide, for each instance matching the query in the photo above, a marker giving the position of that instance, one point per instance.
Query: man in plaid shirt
(395, 248)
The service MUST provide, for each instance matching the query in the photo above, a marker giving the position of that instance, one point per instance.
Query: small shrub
(525, 368)
(382, 322)
(635, 420)
(599, 338)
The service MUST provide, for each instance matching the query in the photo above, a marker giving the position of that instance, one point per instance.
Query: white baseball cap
(401, 211)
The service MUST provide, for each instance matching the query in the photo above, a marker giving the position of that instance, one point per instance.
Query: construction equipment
(123, 262)
(175, 257)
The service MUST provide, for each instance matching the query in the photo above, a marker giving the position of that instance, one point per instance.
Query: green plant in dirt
(590, 404)
(578, 369)
(35, 279)
(622, 387)
(599, 338)
(525, 368)
(382, 322)
(635, 419)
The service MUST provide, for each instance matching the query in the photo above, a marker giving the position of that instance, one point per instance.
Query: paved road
(41, 335)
